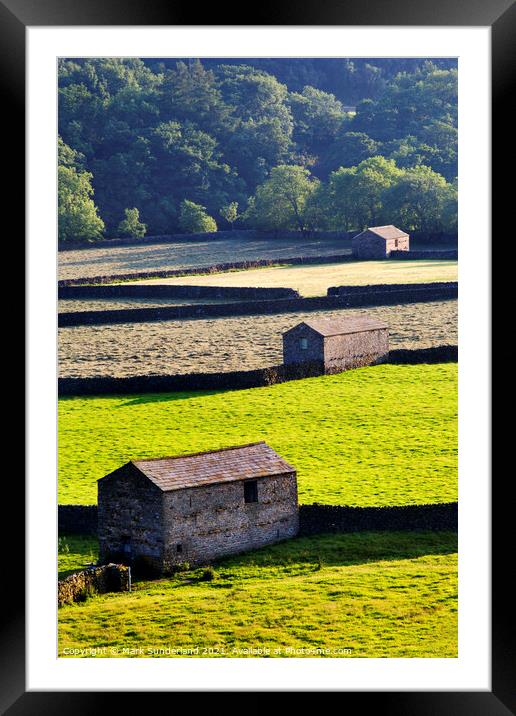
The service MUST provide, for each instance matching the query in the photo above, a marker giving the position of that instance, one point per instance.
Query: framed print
(258, 258)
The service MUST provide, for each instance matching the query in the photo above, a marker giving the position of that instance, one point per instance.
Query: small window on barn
(126, 545)
(395, 243)
(303, 343)
(179, 548)
(250, 491)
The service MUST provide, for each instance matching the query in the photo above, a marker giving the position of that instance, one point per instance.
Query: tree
(149, 133)
(348, 150)
(230, 213)
(132, 226)
(341, 197)
(279, 203)
(318, 116)
(193, 218)
(422, 200)
(357, 193)
(190, 92)
(78, 219)
(422, 104)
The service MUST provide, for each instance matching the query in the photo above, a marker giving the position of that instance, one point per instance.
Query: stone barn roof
(226, 465)
(340, 326)
(385, 232)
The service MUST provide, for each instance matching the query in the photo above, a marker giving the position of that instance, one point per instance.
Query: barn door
(127, 550)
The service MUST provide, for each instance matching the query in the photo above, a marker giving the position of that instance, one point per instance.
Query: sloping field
(67, 305)
(348, 595)
(384, 435)
(314, 280)
(127, 259)
(226, 344)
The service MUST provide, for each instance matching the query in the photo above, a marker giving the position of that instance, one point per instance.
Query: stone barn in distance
(196, 508)
(338, 343)
(377, 242)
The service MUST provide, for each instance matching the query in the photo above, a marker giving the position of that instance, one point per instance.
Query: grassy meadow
(382, 435)
(113, 260)
(383, 594)
(314, 280)
(231, 343)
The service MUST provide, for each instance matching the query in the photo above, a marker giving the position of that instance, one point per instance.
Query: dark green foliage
(193, 218)
(152, 134)
(132, 226)
(208, 574)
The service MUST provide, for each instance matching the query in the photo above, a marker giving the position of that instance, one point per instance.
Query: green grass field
(374, 594)
(74, 553)
(383, 435)
(314, 280)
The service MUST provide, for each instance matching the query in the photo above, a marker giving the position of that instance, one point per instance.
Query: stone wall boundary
(338, 297)
(203, 270)
(234, 380)
(443, 255)
(319, 518)
(93, 580)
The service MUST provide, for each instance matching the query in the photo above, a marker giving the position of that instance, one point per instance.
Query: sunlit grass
(384, 435)
(314, 280)
(374, 594)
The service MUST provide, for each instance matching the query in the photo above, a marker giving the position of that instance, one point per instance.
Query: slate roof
(227, 465)
(385, 232)
(339, 326)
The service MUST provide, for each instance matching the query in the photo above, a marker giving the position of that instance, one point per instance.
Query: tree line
(192, 146)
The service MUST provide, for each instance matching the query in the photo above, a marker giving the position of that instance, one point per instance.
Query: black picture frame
(500, 15)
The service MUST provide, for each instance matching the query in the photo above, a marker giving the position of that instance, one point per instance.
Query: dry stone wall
(318, 518)
(94, 580)
(443, 255)
(235, 380)
(338, 297)
(204, 523)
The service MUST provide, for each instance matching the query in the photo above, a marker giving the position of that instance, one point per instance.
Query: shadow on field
(349, 549)
(164, 397)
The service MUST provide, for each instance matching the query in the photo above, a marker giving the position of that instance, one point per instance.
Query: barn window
(395, 243)
(250, 491)
(126, 545)
(179, 548)
(303, 344)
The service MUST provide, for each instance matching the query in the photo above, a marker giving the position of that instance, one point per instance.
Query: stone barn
(195, 508)
(377, 242)
(337, 344)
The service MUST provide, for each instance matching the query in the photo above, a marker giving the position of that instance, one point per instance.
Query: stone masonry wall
(317, 518)
(234, 380)
(442, 255)
(130, 507)
(135, 290)
(353, 350)
(212, 521)
(338, 297)
(99, 580)
(292, 351)
(77, 519)
(369, 246)
(397, 245)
